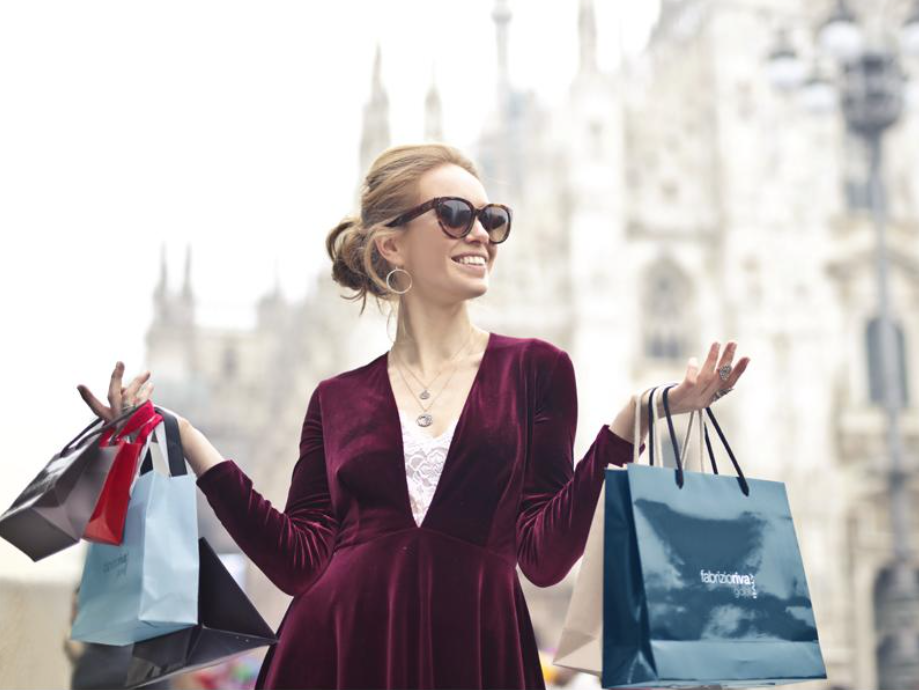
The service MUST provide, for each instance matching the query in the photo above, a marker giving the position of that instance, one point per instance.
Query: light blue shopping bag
(148, 585)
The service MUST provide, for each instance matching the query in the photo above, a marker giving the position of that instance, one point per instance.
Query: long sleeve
(559, 499)
(292, 548)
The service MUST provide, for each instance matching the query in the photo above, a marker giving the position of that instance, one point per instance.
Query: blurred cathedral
(672, 202)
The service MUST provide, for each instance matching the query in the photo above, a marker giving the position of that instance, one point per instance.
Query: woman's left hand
(697, 391)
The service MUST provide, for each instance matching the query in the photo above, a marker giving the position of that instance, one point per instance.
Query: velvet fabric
(380, 602)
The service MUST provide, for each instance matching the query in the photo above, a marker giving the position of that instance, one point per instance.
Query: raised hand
(120, 398)
(702, 386)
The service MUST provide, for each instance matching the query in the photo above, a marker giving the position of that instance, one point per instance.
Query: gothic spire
(501, 15)
(375, 136)
(186, 283)
(163, 285)
(587, 37)
(433, 124)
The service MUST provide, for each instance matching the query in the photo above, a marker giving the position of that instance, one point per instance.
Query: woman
(428, 474)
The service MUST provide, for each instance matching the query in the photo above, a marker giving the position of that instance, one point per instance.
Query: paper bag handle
(637, 433)
(80, 436)
(742, 480)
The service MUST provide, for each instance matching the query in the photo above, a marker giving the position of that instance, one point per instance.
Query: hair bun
(343, 245)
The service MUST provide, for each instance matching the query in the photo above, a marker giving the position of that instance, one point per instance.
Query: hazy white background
(233, 126)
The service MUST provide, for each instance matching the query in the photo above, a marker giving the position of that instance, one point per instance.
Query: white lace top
(424, 462)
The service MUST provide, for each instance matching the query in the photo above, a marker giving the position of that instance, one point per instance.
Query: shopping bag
(228, 624)
(703, 580)
(580, 645)
(148, 585)
(106, 525)
(53, 510)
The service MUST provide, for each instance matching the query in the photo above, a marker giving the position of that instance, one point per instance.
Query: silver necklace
(425, 394)
(426, 418)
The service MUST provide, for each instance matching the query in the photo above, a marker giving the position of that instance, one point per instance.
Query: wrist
(199, 451)
(186, 430)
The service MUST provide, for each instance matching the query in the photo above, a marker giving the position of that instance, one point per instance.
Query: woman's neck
(428, 351)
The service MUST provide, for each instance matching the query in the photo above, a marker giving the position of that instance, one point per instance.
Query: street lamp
(909, 34)
(786, 70)
(818, 93)
(840, 34)
(870, 86)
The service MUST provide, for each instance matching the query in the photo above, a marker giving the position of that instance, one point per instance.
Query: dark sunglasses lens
(497, 222)
(455, 215)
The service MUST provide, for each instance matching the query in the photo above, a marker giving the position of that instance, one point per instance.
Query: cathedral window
(230, 362)
(875, 373)
(596, 138)
(670, 190)
(666, 312)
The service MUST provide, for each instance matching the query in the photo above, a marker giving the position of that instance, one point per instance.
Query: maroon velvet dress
(380, 602)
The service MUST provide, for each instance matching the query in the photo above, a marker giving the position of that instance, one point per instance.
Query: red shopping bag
(106, 525)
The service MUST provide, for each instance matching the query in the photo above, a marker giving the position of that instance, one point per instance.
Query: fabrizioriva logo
(117, 566)
(743, 585)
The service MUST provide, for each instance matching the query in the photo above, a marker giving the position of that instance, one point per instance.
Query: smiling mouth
(473, 268)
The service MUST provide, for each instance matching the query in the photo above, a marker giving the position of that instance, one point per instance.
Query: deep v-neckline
(450, 449)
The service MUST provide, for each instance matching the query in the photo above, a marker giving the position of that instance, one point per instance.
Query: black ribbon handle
(741, 479)
(175, 453)
(680, 478)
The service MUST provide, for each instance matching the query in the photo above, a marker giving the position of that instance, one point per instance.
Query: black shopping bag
(228, 624)
(53, 510)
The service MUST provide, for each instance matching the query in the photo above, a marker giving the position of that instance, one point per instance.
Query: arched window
(891, 614)
(667, 294)
(875, 373)
(230, 362)
(596, 138)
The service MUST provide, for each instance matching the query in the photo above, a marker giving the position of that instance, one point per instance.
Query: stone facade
(676, 201)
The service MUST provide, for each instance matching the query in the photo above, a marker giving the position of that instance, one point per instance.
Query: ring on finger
(725, 371)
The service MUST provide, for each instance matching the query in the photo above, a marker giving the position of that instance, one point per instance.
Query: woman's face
(428, 253)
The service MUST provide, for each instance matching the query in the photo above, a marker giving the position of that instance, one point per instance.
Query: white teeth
(471, 260)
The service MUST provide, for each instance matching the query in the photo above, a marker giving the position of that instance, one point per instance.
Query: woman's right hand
(119, 397)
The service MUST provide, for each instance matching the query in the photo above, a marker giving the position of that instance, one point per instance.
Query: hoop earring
(389, 275)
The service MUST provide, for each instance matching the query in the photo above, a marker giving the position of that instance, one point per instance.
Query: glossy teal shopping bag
(148, 585)
(703, 581)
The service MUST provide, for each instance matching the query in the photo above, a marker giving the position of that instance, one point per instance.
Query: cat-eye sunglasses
(457, 216)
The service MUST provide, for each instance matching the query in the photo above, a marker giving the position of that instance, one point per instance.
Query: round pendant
(424, 395)
(424, 419)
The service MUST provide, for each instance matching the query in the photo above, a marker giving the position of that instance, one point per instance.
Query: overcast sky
(232, 126)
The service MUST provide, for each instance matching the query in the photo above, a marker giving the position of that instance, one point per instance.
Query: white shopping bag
(581, 644)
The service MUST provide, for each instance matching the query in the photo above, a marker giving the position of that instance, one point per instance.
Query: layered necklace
(426, 418)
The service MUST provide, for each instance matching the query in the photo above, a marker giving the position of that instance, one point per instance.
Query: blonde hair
(389, 189)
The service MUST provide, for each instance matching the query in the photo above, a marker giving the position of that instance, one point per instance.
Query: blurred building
(673, 202)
